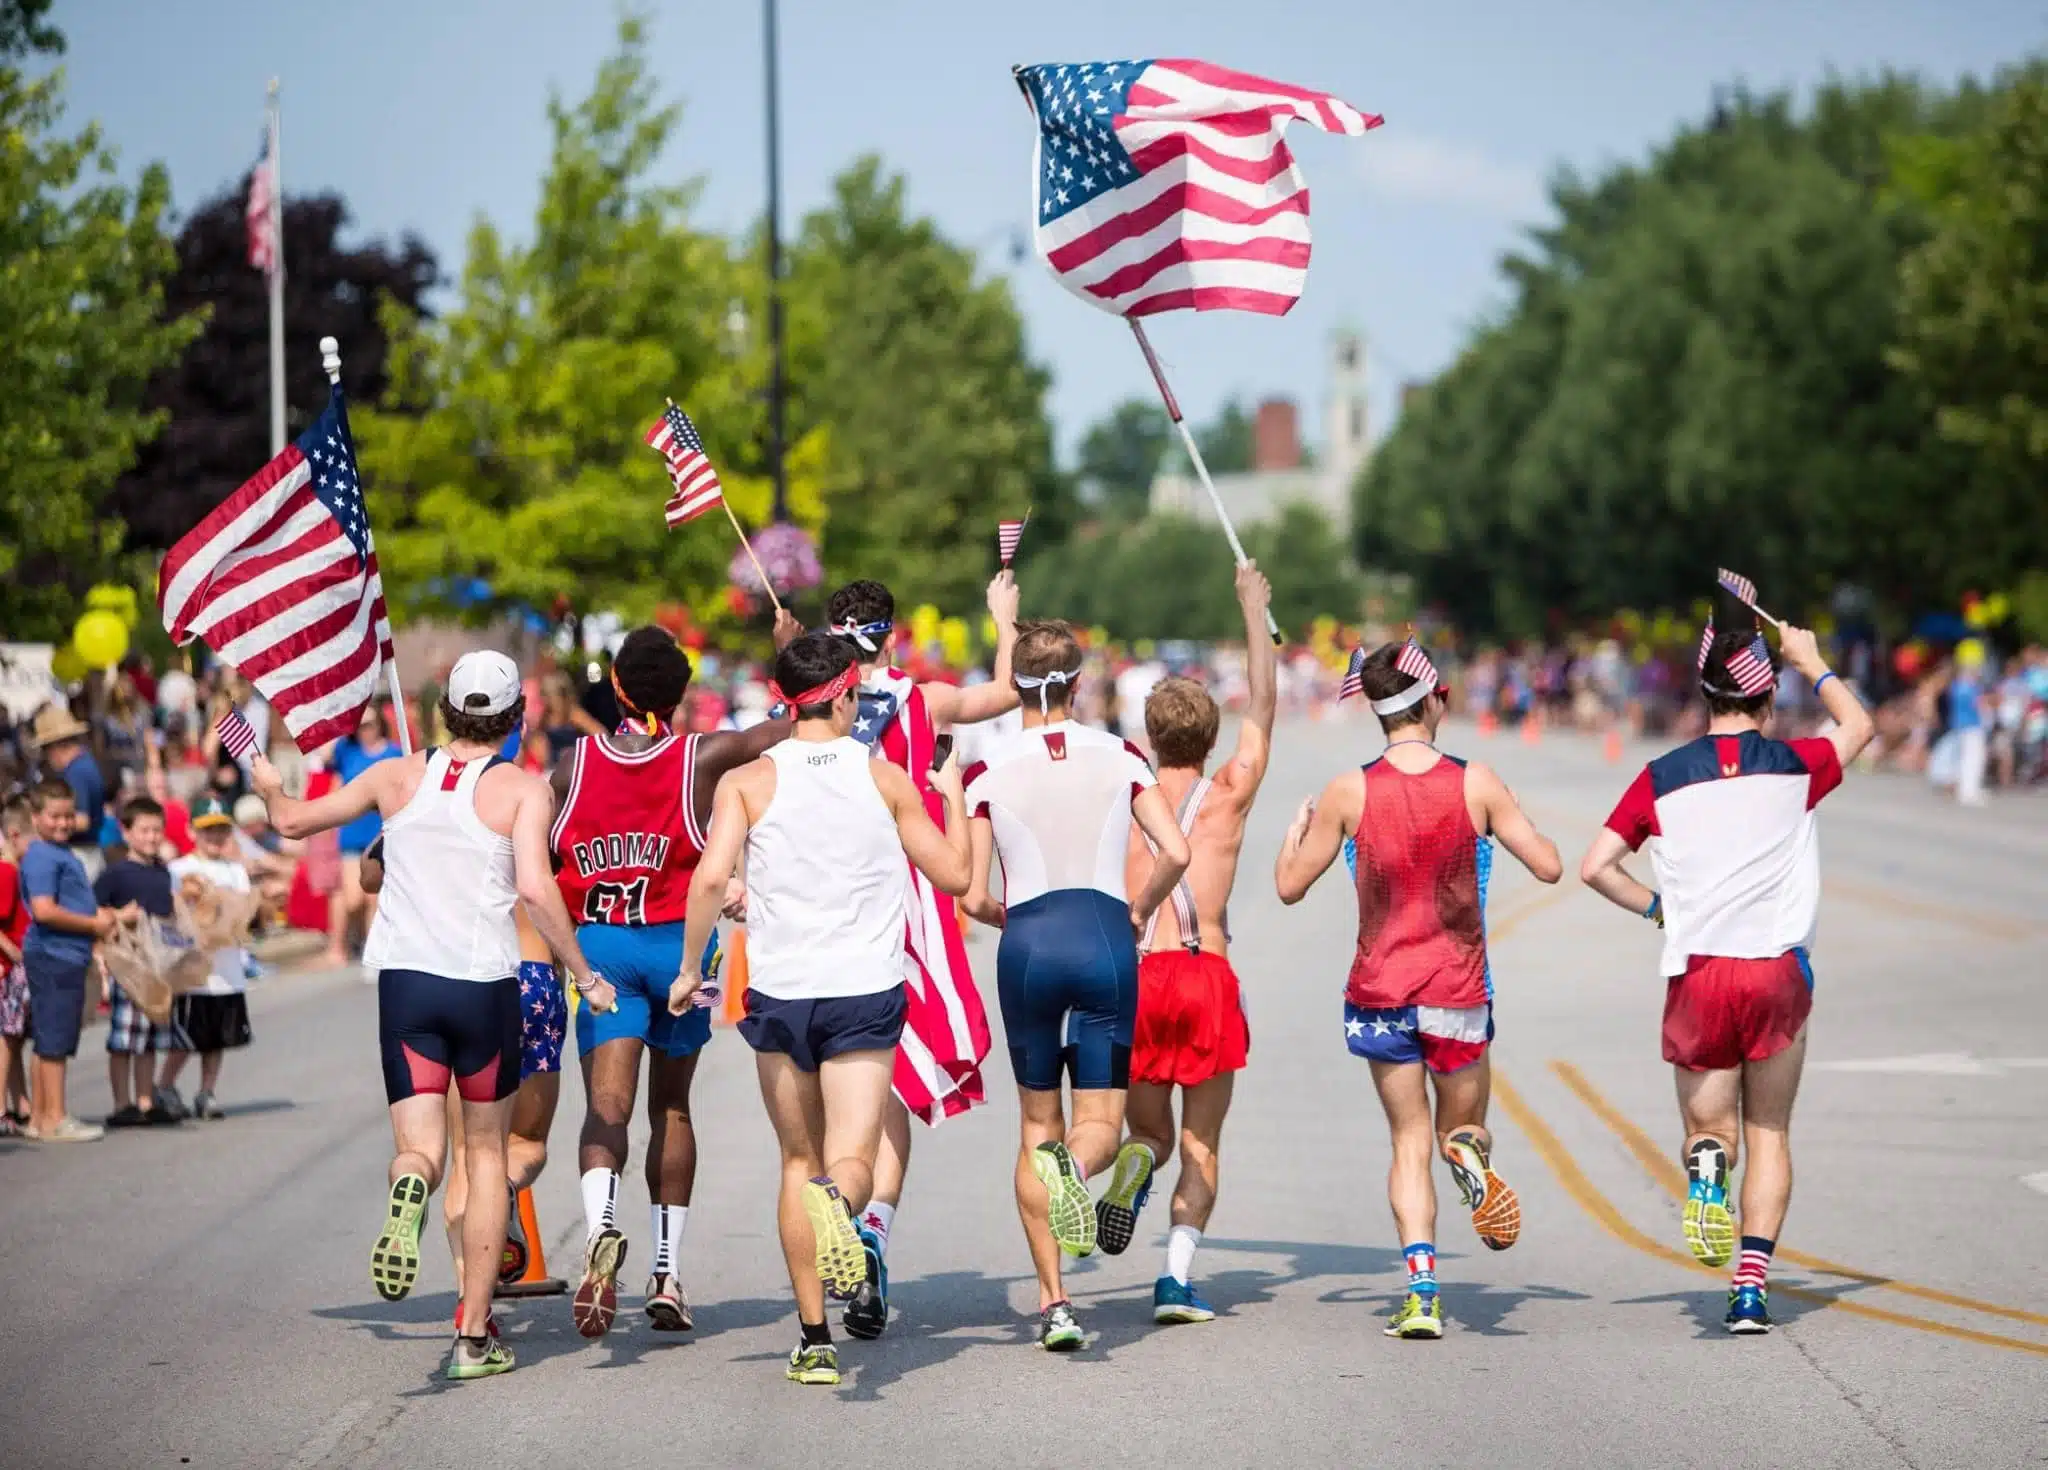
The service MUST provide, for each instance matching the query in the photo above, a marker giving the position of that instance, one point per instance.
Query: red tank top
(627, 839)
(1420, 939)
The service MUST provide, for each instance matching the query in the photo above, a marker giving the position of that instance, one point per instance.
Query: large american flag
(697, 490)
(261, 211)
(281, 581)
(1169, 184)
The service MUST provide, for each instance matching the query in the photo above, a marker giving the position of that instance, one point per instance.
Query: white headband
(1415, 693)
(1026, 681)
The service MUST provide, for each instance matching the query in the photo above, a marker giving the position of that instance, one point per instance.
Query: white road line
(1934, 1064)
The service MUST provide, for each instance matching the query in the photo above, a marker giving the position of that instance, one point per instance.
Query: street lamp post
(776, 377)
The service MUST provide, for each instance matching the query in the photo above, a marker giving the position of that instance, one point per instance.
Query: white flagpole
(330, 359)
(1195, 456)
(275, 164)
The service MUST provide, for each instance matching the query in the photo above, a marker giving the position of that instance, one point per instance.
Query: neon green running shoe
(1066, 1198)
(478, 1358)
(814, 1362)
(1709, 1228)
(395, 1259)
(1058, 1332)
(1420, 1316)
(1130, 1183)
(842, 1259)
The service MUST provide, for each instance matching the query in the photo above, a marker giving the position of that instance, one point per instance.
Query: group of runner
(841, 829)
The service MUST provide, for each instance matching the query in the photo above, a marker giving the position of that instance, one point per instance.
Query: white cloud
(1437, 171)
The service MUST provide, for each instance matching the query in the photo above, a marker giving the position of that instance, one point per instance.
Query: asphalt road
(200, 1296)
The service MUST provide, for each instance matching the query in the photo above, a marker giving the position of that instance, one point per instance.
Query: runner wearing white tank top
(465, 835)
(825, 828)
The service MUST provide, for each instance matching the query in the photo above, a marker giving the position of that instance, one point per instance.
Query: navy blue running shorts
(811, 1032)
(432, 1029)
(1067, 979)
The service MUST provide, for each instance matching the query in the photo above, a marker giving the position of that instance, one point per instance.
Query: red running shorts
(1191, 1023)
(1723, 1012)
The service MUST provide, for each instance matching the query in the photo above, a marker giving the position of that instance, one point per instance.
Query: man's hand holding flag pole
(1168, 185)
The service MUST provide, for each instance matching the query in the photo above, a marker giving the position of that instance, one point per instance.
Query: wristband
(1655, 912)
(1822, 680)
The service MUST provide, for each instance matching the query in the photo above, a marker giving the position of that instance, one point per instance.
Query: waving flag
(1743, 589)
(262, 217)
(697, 490)
(1168, 184)
(1750, 667)
(1413, 662)
(1009, 535)
(1354, 676)
(237, 735)
(281, 581)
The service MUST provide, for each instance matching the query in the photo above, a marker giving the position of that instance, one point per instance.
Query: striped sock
(1753, 1266)
(1421, 1267)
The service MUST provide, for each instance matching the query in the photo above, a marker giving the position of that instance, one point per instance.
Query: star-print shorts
(543, 1019)
(1442, 1038)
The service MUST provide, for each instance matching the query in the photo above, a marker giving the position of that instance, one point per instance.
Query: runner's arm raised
(728, 835)
(1316, 837)
(295, 818)
(979, 902)
(1507, 822)
(1853, 724)
(1244, 771)
(948, 704)
(534, 875)
(940, 856)
(1154, 815)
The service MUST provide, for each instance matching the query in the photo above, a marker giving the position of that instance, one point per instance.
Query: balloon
(1970, 653)
(953, 640)
(68, 664)
(1977, 614)
(924, 625)
(116, 599)
(1997, 608)
(989, 633)
(101, 639)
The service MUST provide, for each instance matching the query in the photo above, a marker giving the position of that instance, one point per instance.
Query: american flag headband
(824, 693)
(1413, 662)
(1043, 684)
(1749, 669)
(867, 635)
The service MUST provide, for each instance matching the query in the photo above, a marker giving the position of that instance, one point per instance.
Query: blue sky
(426, 114)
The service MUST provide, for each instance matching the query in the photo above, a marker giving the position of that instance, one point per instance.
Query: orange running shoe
(1496, 1211)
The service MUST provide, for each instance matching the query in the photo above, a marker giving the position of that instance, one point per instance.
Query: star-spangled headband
(1749, 667)
(1042, 683)
(1413, 662)
(865, 634)
(825, 693)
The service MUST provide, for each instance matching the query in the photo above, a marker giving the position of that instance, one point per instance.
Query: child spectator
(15, 835)
(264, 851)
(214, 1020)
(65, 920)
(140, 878)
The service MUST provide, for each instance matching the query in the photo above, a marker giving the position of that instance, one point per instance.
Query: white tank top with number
(825, 878)
(446, 906)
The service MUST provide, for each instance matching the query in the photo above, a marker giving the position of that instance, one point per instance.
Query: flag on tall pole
(266, 251)
(262, 227)
(281, 581)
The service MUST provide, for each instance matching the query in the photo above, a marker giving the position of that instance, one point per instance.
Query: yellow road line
(1596, 1204)
(1667, 1173)
(1976, 921)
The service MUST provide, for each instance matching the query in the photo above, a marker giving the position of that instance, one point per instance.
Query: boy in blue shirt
(140, 879)
(65, 920)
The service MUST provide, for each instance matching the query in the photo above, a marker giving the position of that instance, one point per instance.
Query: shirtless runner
(1191, 1031)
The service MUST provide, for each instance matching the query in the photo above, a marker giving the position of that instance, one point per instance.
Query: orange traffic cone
(533, 1278)
(1488, 723)
(1612, 746)
(733, 1003)
(1532, 728)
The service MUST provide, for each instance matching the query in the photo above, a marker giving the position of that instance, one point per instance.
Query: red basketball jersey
(626, 839)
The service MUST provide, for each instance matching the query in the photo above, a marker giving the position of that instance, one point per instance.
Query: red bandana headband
(825, 693)
(637, 720)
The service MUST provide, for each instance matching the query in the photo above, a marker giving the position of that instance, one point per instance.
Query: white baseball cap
(483, 683)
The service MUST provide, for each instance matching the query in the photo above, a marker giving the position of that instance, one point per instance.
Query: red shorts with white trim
(1191, 1022)
(1442, 1038)
(1723, 1012)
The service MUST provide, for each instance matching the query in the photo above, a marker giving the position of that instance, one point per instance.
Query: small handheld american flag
(1009, 535)
(237, 736)
(1413, 662)
(1743, 591)
(697, 490)
(1354, 676)
(1750, 667)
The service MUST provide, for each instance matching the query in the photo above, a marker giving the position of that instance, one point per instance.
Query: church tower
(1345, 430)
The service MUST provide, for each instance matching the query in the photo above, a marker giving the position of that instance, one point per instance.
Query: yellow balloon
(1970, 653)
(68, 664)
(1997, 608)
(924, 624)
(1978, 615)
(114, 598)
(953, 640)
(101, 638)
(988, 631)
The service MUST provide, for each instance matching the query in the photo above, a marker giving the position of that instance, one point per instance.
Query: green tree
(1120, 454)
(1227, 441)
(82, 265)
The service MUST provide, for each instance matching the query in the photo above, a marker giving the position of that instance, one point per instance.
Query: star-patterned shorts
(1442, 1038)
(543, 1019)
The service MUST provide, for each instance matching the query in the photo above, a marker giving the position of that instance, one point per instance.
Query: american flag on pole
(697, 490)
(262, 212)
(1169, 184)
(281, 581)
(1009, 535)
(237, 736)
(1743, 589)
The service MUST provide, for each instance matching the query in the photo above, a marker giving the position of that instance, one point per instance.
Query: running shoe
(512, 1265)
(1178, 1301)
(1496, 1211)
(1058, 1332)
(668, 1310)
(1420, 1316)
(597, 1296)
(490, 1321)
(814, 1362)
(1709, 1228)
(395, 1259)
(1749, 1311)
(478, 1357)
(1130, 1185)
(842, 1264)
(1072, 1213)
(867, 1314)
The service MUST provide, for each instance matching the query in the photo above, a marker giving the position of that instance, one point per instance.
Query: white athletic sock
(1180, 1252)
(878, 1217)
(601, 1199)
(666, 1221)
